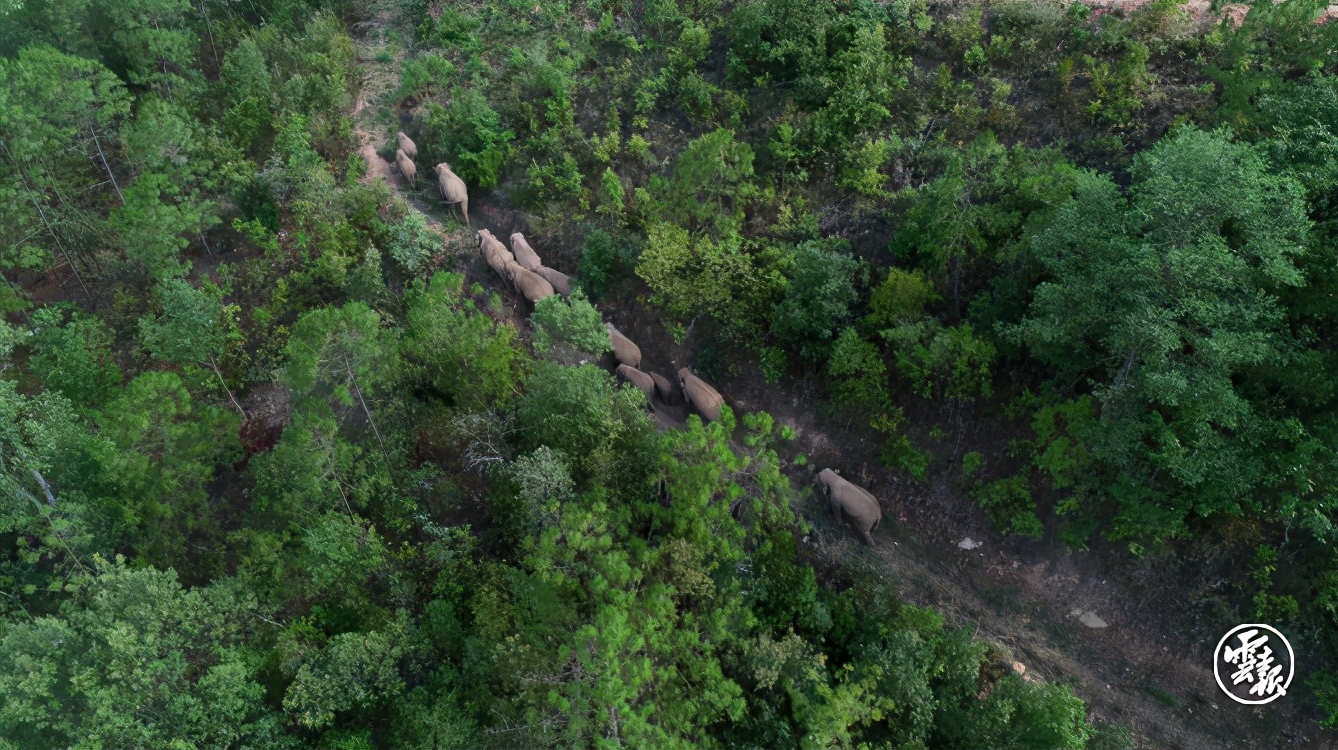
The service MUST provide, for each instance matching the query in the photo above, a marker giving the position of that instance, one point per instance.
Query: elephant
(530, 284)
(498, 257)
(624, 350)
(700, 396)
(859, 507)
(452, 189)
(407, 167)
(639, 379)
(666, 390)
(561, 282)
(525, 254)
(407, 145)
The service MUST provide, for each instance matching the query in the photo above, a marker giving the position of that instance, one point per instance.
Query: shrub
(1010, 506)
(859, 373)
(572, 322)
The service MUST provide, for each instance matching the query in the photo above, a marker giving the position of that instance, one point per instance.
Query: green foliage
(859, 373)
(708, 185)
(453, 348)
(972, 463)
(573, 322)
(901, 298)
(74, 357)
(1168, 297)
(817, 300)
(192, 327)
(412, 243)
(1010, 506)
(135, 659)
(580, 413)
(953, 363)
(468, 135)
(424, 76)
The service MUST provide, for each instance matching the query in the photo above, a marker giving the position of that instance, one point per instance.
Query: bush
(425, 76)
(1010, 506)
(860, 376)
(469, 136)
(412, 243)
(572, 322)
(817, 301)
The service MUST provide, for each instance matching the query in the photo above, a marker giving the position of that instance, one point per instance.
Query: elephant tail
(464, 211)
(874, 527)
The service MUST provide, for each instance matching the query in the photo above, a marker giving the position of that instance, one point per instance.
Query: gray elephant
(624, 350)
(639, 379)
(452, 189)
(704, 399)
(561, 282)
(852, 502)
(407, 145)
(667, 391)
(525, 254)
(529, 283)
(498, 257)
(407, 167)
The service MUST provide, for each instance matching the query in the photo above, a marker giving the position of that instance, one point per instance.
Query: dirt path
(1080, 619)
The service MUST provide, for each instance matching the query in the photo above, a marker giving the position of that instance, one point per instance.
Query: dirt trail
(1074, 618)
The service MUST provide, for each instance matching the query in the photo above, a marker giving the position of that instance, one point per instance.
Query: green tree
(817, 301)
(194, 327)
(1165, 299)
(449, 345)
(133, 659)
(571, 321)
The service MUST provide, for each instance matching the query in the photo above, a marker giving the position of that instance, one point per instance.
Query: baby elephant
(641, 380)
(407, 167)
(704, 399)
(666, 391)
(860, 508)
(624, 350)
(407, 145)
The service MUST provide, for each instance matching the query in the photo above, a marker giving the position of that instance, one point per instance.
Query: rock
(1089, 618)
(969, 543)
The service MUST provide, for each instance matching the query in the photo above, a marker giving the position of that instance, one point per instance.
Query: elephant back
(407, 145)
(639, 379)
(703, 398)
(624, 350)
(561, 282)
(857, 502)
(525, 254)
(530, 284)
(665, 389)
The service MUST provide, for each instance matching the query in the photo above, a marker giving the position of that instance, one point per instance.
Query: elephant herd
(449, 184)
(522, 267)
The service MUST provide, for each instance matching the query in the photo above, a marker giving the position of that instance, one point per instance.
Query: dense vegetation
(274, 473)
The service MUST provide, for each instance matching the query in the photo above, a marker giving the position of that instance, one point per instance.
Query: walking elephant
(639, 379)
(704, 399)
(407, 167)
(452, 189)
(852, 502)
(561, 282)
(665, 390)
(407, 145)
(624, 350)
(525, 254)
